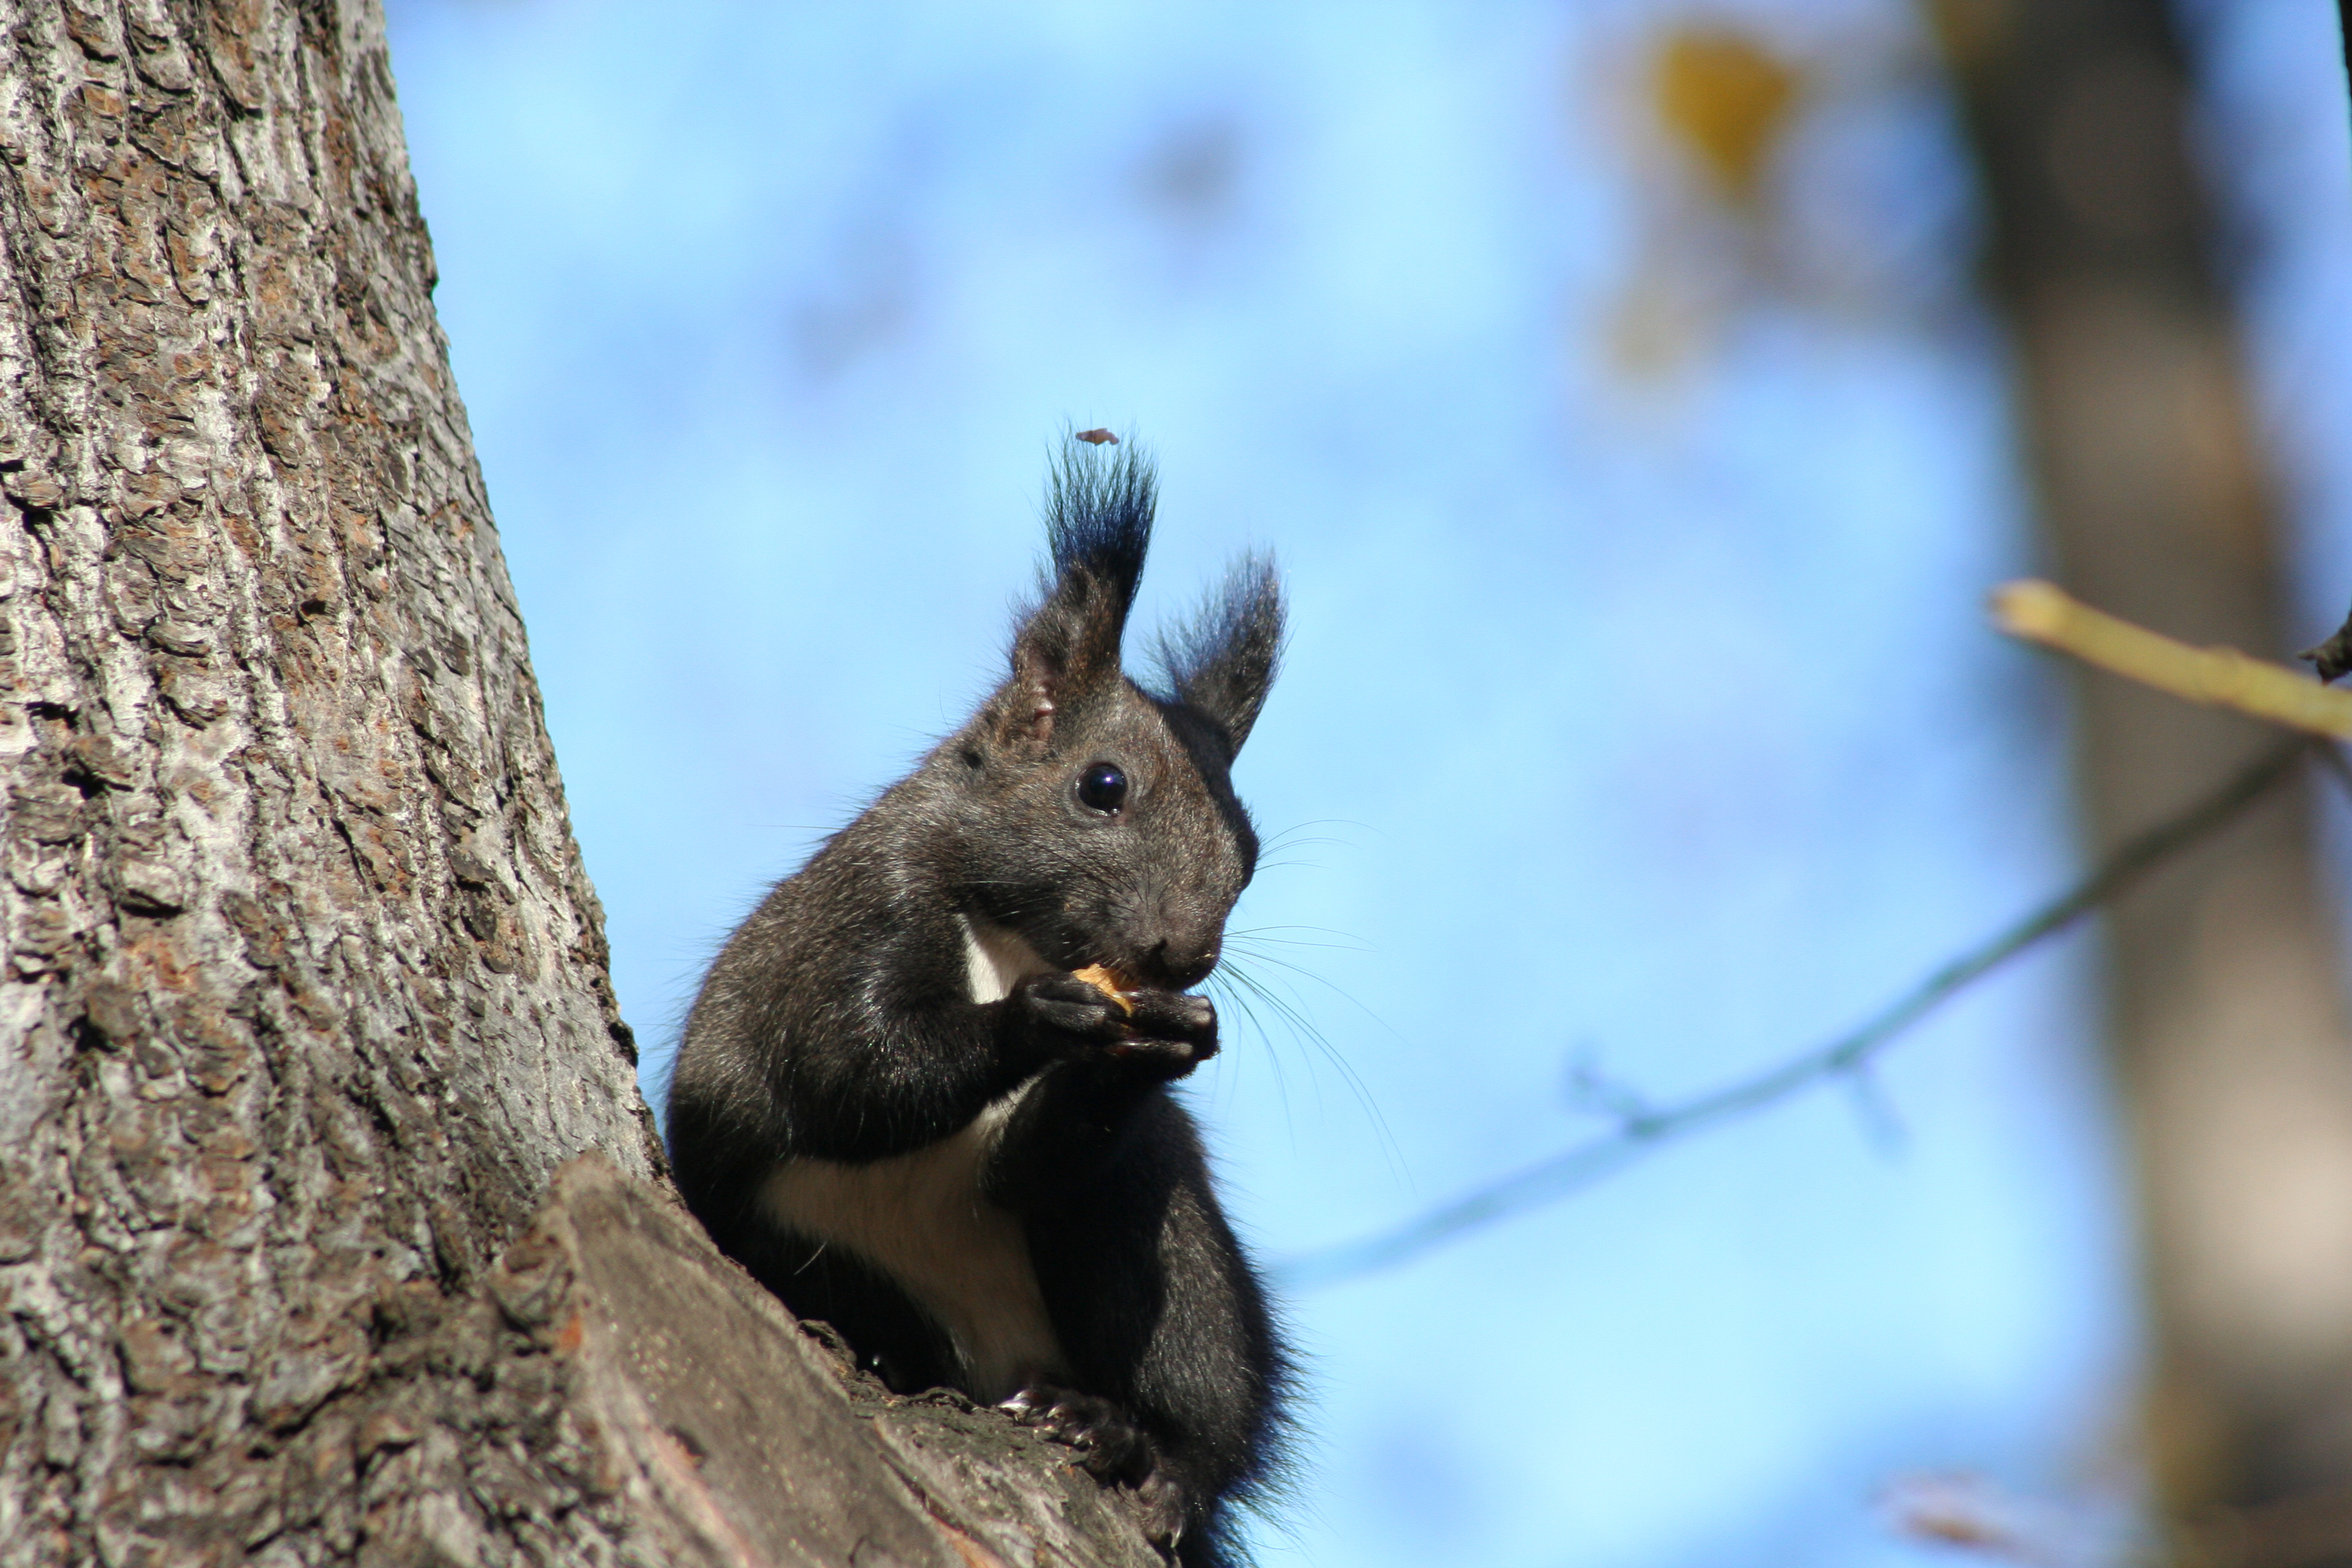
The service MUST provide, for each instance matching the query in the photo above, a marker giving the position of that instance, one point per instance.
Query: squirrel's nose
(1175, 969)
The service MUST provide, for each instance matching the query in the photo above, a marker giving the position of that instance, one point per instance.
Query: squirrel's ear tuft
(1098, 510)
(1224, 660)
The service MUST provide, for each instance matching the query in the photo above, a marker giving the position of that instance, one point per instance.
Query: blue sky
(1637, 714)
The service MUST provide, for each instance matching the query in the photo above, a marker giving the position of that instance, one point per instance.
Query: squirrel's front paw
(1170, 1034)
(1065, 1006)
(1173, 1015)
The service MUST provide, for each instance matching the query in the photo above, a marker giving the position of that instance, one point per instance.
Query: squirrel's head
(1094, 817)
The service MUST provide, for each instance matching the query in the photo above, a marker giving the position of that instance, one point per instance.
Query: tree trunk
(2344, 32)
(2227, 1027)
(305, 995)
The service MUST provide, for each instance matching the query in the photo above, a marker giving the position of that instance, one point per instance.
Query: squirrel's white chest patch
(997, 960)
(922, 1218)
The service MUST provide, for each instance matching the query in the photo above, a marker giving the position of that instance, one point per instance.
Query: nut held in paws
(1104, 978)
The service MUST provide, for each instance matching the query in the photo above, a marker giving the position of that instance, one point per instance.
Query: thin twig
(2043, 613)
(1643, 1131)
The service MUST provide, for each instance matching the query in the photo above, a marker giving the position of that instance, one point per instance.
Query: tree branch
(1640, 1131)
(2220, 677)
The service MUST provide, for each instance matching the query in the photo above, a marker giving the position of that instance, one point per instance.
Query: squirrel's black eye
(1102, 788)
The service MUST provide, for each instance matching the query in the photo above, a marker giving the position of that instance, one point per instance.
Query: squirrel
(901, 1110)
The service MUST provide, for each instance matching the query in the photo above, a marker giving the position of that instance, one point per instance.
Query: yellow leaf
(1727, 100)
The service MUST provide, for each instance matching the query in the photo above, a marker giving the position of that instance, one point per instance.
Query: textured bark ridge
(303, 995)
(710, 1430)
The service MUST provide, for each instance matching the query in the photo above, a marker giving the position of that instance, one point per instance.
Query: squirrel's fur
(896, 1106)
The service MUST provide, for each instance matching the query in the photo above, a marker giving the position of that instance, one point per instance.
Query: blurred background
(1641, 398)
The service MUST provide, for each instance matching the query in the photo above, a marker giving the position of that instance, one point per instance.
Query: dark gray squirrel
(900, 1109)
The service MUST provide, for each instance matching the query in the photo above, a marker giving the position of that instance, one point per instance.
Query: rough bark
(2227, 1026)
(695, 1420)
(305, 995)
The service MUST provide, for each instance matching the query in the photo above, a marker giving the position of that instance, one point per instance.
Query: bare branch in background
(1643, 1131)
(1977, 1515)
(2041, 612)
(2218, 676)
